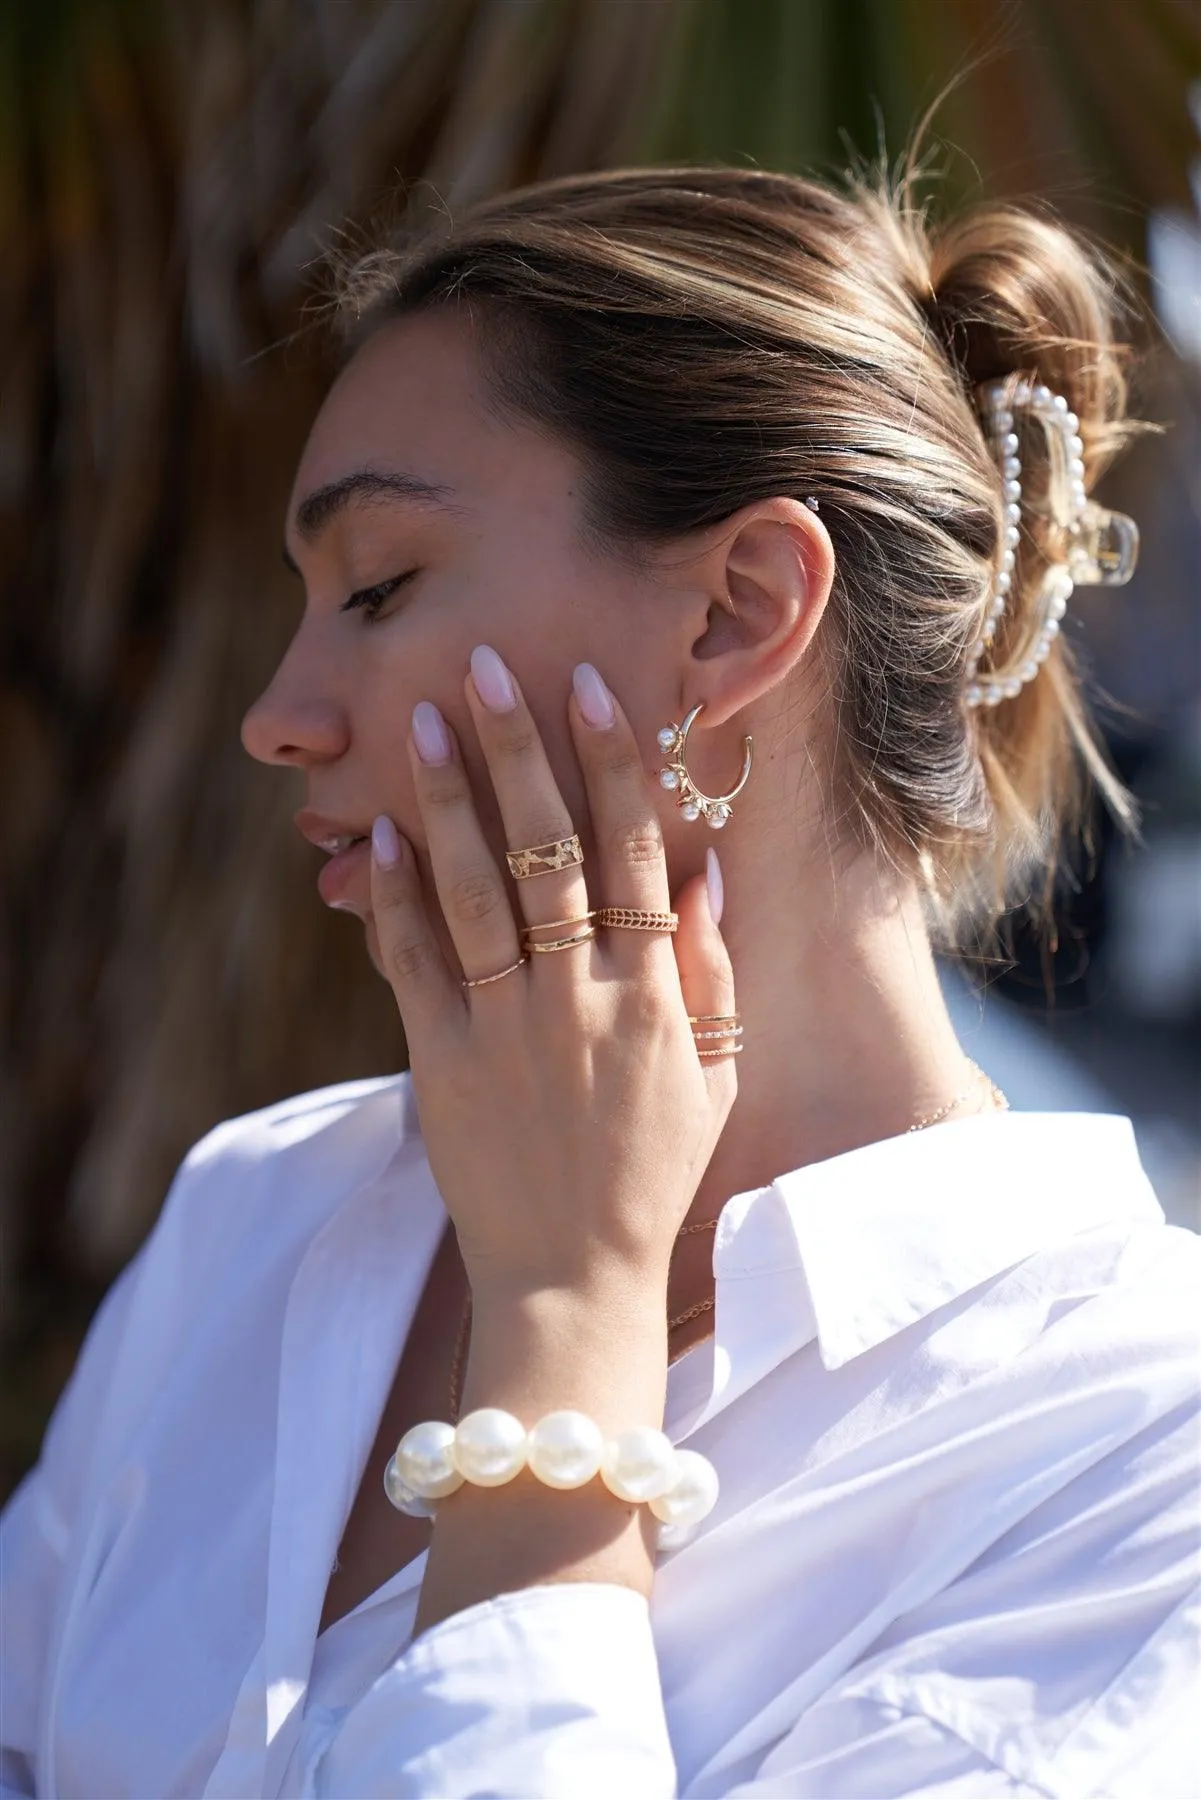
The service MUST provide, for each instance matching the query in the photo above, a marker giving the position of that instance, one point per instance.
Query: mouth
(335, 845)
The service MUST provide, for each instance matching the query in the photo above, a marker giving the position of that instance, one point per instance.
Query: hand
(567, 1117)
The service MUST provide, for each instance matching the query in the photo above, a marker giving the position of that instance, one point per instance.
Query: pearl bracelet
(564, 1449)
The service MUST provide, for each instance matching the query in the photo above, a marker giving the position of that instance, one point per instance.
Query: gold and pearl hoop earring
(715, 809)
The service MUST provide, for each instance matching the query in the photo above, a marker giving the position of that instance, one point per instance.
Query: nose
(296, 721)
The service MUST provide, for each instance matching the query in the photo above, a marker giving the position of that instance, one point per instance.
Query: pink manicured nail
(492, 680)
(593, 696)
(385, 845)
(714, 883)
(430, 734)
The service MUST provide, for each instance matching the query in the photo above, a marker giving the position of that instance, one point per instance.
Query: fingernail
(593, 696)
(430, 734)
(714, 883)
(385, 845)
(493, 683)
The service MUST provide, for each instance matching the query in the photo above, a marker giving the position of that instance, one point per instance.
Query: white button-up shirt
(952, 1398)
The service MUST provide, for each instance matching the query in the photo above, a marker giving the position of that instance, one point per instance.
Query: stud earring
(674, 776)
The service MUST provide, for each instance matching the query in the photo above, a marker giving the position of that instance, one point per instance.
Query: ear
(768, 571)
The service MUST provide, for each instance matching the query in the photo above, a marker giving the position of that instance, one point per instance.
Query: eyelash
(372, 598)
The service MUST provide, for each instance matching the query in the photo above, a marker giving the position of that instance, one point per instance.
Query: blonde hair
(707, 337)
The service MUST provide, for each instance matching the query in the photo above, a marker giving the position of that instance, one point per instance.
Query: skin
(566, 1231)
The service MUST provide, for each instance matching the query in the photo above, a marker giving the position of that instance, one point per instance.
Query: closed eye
(371, 599)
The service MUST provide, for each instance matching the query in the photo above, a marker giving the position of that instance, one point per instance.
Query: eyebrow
(318, 509)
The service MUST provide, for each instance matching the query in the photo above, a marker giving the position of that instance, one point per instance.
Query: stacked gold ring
(728, 1026)
(530, 943)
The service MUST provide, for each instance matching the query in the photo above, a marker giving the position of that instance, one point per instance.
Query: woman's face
(423, 523)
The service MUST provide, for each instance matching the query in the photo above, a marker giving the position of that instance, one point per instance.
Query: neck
(847, 1038)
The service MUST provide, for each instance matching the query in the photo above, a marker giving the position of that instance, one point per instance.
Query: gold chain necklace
(703, 1306)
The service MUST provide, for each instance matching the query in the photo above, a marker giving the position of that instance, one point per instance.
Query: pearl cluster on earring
(715, 809)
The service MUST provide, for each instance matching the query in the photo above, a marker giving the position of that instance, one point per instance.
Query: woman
(648, 503)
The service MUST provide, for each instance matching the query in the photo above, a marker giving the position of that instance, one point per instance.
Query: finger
(531, 806)
(469, 885)
(632, 869)
(410, 955)
(707, 976)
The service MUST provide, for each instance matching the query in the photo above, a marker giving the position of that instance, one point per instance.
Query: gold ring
(581, 937)
(483, 980)
(731, 1031)
(714, 1018)
(632, 918)
(555, 924)
(544, 859)
(734, 1050)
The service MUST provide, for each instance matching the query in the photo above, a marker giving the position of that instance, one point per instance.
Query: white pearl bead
(1042, 396)
(1028, 670)
(424, 1461)
(1009, 444)
(1058, 606)
(1051, 628)
(1060, 404)
(1021, 394)
(667, 738)
(564, 1449)
(1013, 512)
(1004, 581)
(998, 606)
(1011, 468)
(690, 810)
(639, 1464)
(1012, 687)
(490, 1446)
(1013, 490)
(668, 779)
(992, 694)
(718, 817)
(1011, 534)
(1075, 445)
(973, 695)
(693, 1493)
(1008, 561)
(402, 1496)
(1071, 421)
(1076, 467)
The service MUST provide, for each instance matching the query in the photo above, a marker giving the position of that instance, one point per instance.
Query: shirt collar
(852, 1250)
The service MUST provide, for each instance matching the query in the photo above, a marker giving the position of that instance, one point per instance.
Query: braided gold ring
(633, 918)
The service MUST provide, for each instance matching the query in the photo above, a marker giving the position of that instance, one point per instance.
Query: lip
(340, 873)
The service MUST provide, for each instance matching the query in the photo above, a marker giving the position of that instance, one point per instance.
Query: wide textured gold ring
(545, 859)
(483, 980)
(632, 918)
(566, 943)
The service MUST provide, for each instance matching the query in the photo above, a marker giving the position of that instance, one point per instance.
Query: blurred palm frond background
(169, 174)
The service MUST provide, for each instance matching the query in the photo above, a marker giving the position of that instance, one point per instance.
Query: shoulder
(378, 1106)
(301, 1154)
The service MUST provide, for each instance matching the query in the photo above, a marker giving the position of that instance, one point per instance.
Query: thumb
(706, 974)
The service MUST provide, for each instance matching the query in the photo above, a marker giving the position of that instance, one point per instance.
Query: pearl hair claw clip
(565, 1449)
(1099, 548)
